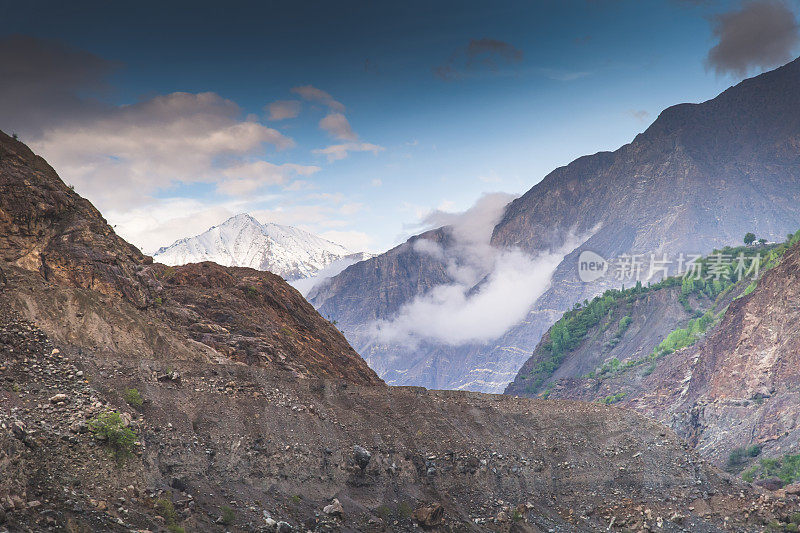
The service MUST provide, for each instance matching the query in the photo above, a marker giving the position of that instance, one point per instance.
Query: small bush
(228, 515)
(108, 427)
(740, 456)
(251, 292)
(165, 508)
(133, 398)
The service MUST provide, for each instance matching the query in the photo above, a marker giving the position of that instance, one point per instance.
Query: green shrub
(786, 468)
(228, 515)
(165, 508)
(250, 291)
(133, 398)
(740, 456)
(614, 398)
(108, 426)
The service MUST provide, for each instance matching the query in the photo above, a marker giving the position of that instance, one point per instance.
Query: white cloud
(376, 182)
(341, 151)
(311, 93)
(491, 289)
(337, 125)
(352, 240)
(126, 154)
(283, 109)
(305, 285)
(247, 178)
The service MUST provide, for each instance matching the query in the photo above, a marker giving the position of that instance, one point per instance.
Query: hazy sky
(354, 120)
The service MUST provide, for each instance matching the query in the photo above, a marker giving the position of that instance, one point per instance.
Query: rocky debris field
(228, 447)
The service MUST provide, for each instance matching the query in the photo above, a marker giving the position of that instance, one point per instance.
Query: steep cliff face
(739, 387)
(46, 228)
(700, 177)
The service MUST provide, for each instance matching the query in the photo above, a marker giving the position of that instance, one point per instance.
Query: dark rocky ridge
(700, 177)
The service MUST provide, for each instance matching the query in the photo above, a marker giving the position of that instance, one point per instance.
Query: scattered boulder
(361, 456)
(429, 516)
(18, 429)
(58, 398)
(793, 489)
(334, 509)
(172, 376)
(770, 483)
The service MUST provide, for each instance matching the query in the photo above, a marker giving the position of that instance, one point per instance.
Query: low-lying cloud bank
(492, 289)
(305, 285)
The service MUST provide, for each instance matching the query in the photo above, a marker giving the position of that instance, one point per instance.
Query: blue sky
(447, 101)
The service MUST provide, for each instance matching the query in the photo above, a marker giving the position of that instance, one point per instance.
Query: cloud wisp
(336, 125)
(282, 109)
(760, 35)
(340, 151)
(478, 55)
(491, 290)
(313, 94)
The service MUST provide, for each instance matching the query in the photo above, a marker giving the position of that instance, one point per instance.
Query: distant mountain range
(243, 241)
(700, 177)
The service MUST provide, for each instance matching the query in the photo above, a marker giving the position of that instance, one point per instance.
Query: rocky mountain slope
(698, 178)
(137, 396)
(245, 242)
(635, 326)
(736, 387)
(91, 286)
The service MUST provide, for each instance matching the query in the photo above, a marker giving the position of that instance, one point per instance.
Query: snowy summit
(243, 241)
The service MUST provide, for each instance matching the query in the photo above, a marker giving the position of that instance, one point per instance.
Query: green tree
(749, 238)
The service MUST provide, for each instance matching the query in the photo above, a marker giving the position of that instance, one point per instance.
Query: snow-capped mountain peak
(243, 241)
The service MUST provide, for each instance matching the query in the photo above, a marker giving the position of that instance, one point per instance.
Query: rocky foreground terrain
(140, 397)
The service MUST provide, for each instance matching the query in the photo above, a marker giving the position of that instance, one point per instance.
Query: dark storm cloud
(478, 54)
(45, 82)
(760, 35)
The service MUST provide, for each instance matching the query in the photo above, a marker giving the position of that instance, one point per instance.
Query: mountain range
(141, 396)
(243, 241)
(699, 178)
